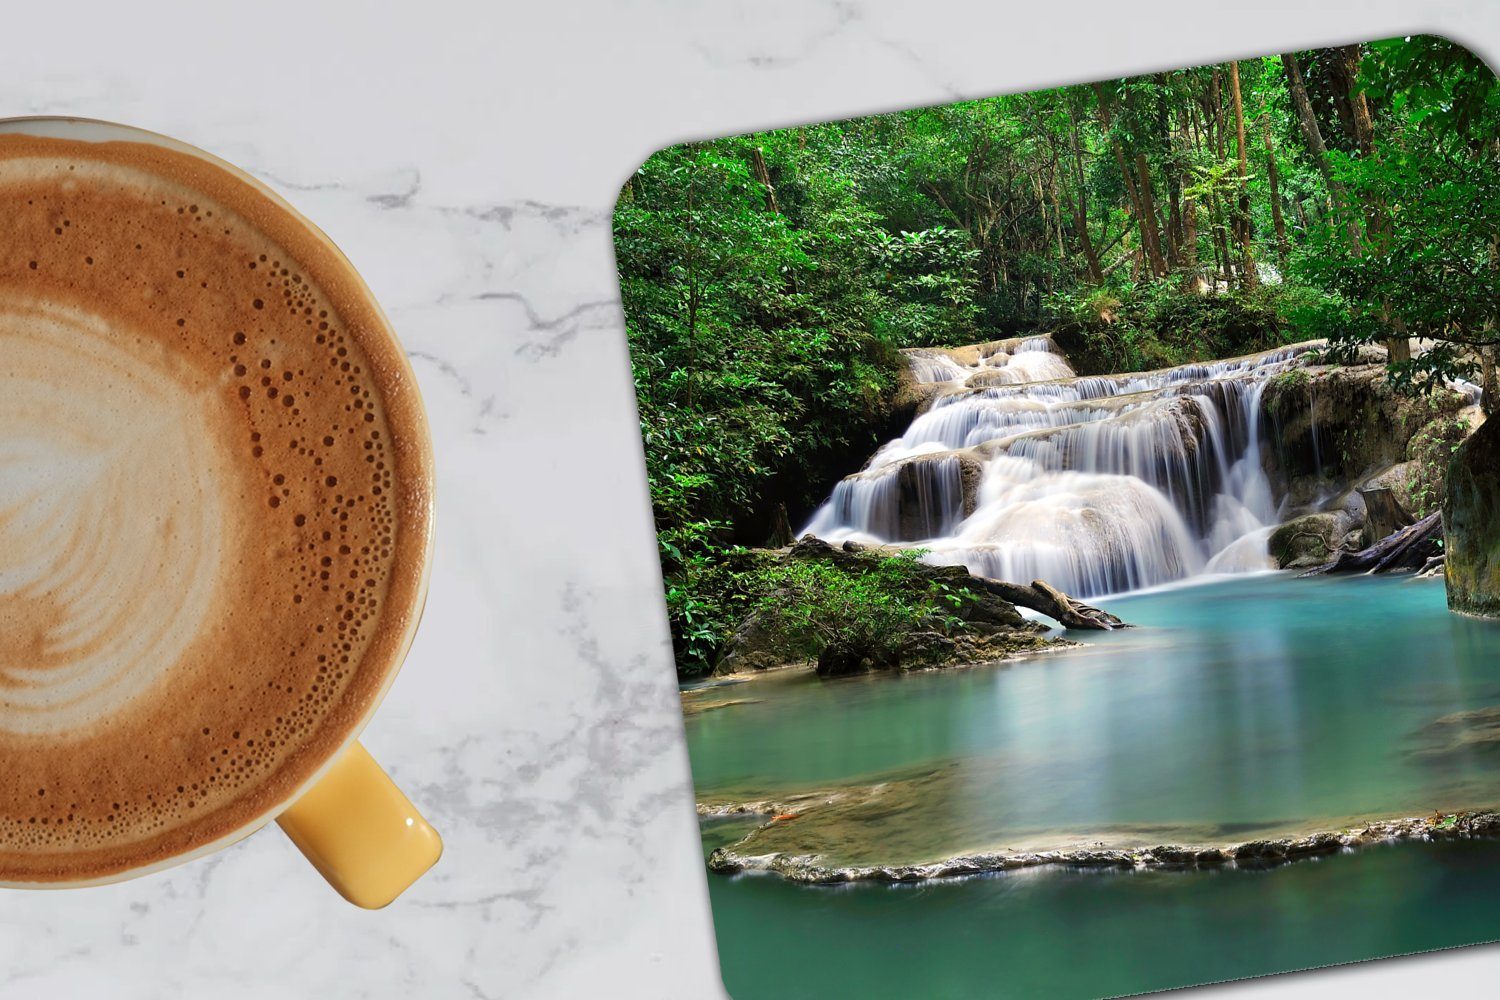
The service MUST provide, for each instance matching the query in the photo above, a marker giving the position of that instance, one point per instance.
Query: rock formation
(1354, 461)
(1471, 518)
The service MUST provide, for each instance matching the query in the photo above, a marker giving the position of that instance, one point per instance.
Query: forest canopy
(770, 280)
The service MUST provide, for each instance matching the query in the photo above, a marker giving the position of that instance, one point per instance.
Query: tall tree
(1080, 198)
(1247, 255)
(1273, 179)
(1137, 188)
(763, 174)
(1360, 129)
(1432, 271)
(1312, 135)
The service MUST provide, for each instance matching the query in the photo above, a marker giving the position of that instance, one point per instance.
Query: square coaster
(1080, 525)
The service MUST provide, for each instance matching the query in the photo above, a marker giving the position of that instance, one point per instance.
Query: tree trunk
(1221, 239)
(781, 529)
(1489, 381)
(1062, 219)
(763, 174)
(1150, 235)
(1145, 218)
(1213, 242)
(1397, 348)
(1361, 131)
(1174, 225)
(1080, 205)
(1384, 514)
(1215, 115)
(1247, 275)
(1190, 242)
(1107, 120)
(1085, 241)
(1273, 177)
(1340, 67)
(1316, 148)
(1359, 105)
(1175, 137)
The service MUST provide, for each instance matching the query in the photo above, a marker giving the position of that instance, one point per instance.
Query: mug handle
(360, 832)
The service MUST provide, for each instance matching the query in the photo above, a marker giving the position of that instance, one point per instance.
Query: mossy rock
(991, 627)
(1471, 524)
(1332, 427)
(1430, 451)
(1314, 539)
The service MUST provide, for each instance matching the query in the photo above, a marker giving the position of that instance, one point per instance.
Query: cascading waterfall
(934, 366)
(1021, 470)
(909, 501)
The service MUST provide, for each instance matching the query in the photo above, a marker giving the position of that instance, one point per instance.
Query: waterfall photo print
(1080, 525)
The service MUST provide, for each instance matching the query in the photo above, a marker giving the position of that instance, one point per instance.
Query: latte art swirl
(110, 520)
(214, 515)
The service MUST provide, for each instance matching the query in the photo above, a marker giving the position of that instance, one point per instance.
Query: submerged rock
(1461, 733)
(990, 642)
(1471, 519)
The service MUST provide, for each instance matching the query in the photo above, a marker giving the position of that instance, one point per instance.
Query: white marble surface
(466, 156)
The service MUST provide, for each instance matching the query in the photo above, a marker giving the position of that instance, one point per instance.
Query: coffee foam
(213, 517)
(111, 520)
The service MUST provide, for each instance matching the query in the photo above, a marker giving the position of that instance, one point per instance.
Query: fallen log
(1069, 612)
(1408, 548)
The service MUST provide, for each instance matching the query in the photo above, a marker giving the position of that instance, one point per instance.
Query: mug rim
(418, 427)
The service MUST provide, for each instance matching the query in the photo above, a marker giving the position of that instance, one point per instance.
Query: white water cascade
(1021, 470)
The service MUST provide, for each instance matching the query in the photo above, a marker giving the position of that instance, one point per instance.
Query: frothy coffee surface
(213, 513)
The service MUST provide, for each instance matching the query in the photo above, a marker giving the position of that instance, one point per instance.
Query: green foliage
(751, 338)
(1138, 327)
(1431, 450)
(1286, 393)
(929, 277)
(1291, 380)
(1416, 251)
(875, 610)
(706, 598)
(875, 604)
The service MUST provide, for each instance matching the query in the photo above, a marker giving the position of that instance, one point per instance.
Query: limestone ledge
(1255, 853)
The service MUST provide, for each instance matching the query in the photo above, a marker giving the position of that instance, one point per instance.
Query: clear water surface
(1247, 705)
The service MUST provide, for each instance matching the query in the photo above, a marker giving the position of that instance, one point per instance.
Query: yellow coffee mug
(350, 820)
